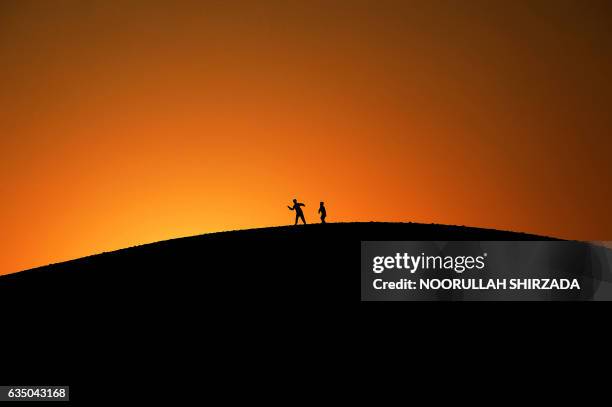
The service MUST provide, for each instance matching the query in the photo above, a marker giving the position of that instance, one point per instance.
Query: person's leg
(297, 217)
(303, 219)
(322, 219)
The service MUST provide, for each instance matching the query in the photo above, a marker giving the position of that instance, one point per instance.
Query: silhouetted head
(321, 203)
(295, 201)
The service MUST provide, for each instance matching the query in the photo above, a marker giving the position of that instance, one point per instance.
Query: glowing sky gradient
(127, 122)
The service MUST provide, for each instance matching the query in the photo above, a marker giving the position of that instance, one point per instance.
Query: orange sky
(127, 122)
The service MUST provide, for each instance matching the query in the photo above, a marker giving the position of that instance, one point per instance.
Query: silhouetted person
(298, 211)
(323, 212)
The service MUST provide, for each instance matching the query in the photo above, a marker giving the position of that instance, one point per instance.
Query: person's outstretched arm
(301, 204)
(290, 208)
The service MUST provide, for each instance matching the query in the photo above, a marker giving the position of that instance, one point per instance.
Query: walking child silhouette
(323, 212)
(298, 211)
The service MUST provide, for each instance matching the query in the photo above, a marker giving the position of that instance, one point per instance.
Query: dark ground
(218, 308)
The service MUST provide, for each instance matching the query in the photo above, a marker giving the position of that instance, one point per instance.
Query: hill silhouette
(253, 255)
(141, 314)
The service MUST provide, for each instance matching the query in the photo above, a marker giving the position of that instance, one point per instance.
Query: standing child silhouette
(323, 212)
(298, 211)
